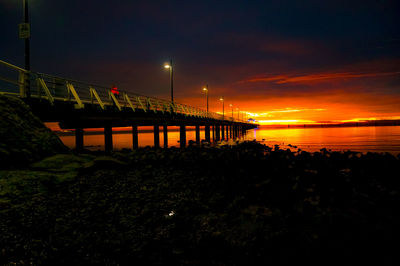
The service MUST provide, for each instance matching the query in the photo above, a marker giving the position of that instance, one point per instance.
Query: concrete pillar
(227, 132)
(135, 138)
(207, 133)
(165, 131)
(197, 134)
(108, 142)
(182, 136)
(79, 139)
(217, 133)
(213, 132)
(222, 132)
(156, 136)
(235, 133)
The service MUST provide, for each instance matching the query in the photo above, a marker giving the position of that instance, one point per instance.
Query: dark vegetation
(23, 137)
(244, 204)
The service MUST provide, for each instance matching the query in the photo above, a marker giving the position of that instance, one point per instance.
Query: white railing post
(126, 97)
(41, 84)
(114, 99)
(71, 90)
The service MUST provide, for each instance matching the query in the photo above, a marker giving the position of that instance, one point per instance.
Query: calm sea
(361, 139)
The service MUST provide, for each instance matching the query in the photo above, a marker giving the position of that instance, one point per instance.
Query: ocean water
(361, 139)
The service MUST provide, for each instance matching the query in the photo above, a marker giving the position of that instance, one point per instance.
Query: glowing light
(221, 99)
(285, 122)
(167, 66)
(205, 89)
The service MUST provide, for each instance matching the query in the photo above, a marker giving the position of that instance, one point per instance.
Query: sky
(279, 61)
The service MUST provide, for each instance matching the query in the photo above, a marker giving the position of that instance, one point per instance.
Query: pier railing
(15, 81)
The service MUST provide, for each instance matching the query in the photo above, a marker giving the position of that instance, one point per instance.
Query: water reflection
(362, 139)
(122, 138)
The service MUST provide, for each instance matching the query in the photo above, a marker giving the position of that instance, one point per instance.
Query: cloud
(272, 45)
(283, 79)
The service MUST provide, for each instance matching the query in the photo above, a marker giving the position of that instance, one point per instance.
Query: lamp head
(167, 66)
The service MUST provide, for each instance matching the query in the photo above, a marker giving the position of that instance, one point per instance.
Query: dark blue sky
(240, 48)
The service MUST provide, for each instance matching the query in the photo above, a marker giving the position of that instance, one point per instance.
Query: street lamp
(24, 33)
(223, 114)
(171, 75)
(232, 110)
(206, 90)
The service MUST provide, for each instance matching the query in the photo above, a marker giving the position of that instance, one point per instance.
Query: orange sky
(368, 91)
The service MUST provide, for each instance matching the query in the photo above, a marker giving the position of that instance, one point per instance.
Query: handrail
(61, 89)
(13, 66)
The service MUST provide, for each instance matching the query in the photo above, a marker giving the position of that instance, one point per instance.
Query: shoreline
(226, 205)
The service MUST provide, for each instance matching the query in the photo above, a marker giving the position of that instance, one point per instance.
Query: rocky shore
(23, 137)
(246, 204)
(230, 205)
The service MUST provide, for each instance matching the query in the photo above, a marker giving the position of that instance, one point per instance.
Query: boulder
(23, 136)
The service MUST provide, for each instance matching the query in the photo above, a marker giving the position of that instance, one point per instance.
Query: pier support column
(156, 136)
(108, 142)
(165, 133)
(222, 132)
(217, 133)
(182, 136)
(79, 139)
(135, 138)
(197, 134)
(207, 133)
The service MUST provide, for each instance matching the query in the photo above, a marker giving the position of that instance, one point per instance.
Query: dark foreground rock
(238, 205)
(23, 137)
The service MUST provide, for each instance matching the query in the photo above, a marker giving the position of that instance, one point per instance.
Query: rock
(23, 137)
(104, 162)
(63, 162)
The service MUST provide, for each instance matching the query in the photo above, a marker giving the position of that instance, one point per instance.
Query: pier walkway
(78, 105)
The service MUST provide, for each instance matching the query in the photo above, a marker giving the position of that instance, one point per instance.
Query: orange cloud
(282, 79)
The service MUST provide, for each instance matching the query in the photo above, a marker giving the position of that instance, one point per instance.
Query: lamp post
(206, 90)
(237, 109)
(223, 111)
(232, 110)
(171, 75)
(24, 33)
